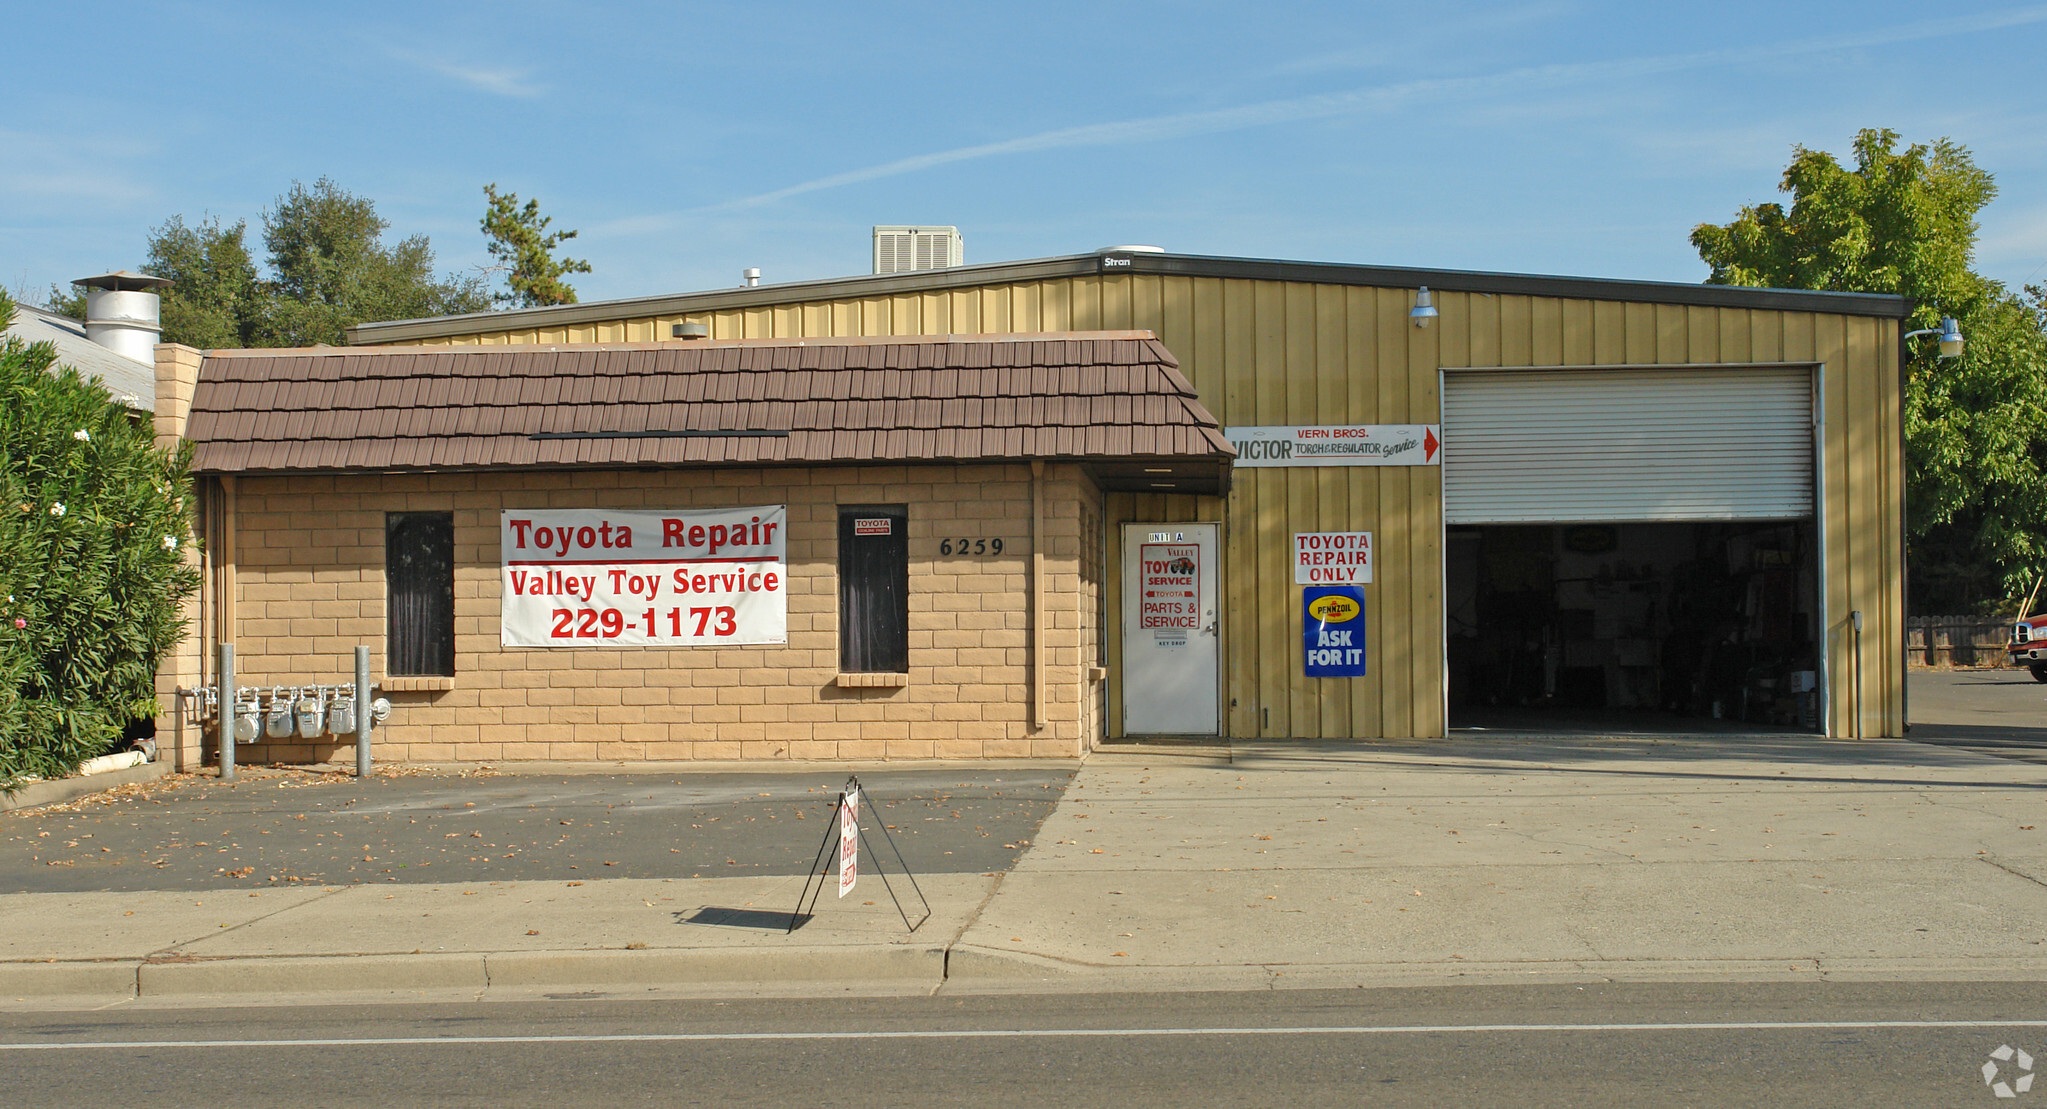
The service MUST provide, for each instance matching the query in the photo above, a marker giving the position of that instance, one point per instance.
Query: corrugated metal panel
(1615, 445)
(1240, 342)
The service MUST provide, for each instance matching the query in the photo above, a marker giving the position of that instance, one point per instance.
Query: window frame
(874, 626)
(419, 601)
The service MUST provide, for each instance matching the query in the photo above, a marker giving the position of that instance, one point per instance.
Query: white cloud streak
(1384, 99)
(498, 82)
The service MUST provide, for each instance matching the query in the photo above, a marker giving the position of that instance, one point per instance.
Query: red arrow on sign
(1429, 444)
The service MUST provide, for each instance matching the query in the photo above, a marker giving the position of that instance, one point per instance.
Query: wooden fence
(1957, 640)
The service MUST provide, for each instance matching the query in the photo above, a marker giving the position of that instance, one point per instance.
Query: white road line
(1038, 1034)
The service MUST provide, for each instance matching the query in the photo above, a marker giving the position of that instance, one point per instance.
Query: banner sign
(592, 577)
(849, 841)
(1333, 631)
(1169, 591)
(1325, 557)
(1338, 445)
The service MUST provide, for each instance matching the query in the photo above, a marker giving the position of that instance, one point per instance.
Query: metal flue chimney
(123, 313)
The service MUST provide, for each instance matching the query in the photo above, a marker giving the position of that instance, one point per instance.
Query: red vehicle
(2028, 646)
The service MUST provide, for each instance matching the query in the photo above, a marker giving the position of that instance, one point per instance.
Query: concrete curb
(315, 974)
(114, 979)
(716, 967)
(36, 794)
(301, 976)
(878, 968)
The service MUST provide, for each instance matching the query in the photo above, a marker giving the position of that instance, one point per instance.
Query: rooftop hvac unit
(902, 249)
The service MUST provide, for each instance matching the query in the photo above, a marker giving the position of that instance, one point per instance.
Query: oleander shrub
(94, 521)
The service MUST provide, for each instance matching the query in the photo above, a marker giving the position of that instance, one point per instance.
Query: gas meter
(341, 711)
(279, 724)
(312, 715)
(248, 717)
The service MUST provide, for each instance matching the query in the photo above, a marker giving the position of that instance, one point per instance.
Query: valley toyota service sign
(616, 578)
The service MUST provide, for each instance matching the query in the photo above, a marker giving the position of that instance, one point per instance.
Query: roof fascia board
(1192, 265)
(1569, 288)
(679, 304)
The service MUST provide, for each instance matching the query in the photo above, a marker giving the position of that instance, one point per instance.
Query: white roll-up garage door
(1537, 446)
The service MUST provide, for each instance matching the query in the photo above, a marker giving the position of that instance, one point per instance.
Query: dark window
(874, 590)
(419, 583)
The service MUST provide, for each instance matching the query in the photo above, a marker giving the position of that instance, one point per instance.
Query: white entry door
(1170, 646)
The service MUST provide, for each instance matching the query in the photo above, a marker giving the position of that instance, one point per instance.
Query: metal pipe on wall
(227, 559)
(362, 712)
(1855, 618)
(1037, 593)
(226, 716)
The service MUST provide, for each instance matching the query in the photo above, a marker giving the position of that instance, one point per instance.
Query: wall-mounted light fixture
(1424, 312)
(1950, 334)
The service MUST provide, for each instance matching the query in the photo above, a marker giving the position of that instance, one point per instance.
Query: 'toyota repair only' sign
(1332, 557)
(614, 578)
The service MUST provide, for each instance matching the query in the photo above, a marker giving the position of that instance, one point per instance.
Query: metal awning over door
(1687, 443)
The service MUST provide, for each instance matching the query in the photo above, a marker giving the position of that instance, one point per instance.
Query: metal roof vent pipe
(690, 331)
(753, 276)
(123, 313)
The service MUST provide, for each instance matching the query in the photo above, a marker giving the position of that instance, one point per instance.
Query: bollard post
(227, 711)
(362, 712)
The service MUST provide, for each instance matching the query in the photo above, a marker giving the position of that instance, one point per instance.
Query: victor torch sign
(606, 578)
(1338, 445)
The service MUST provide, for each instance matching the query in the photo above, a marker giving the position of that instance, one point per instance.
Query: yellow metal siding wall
(1272, 352)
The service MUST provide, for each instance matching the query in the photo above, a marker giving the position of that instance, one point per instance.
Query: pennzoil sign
(1333, 631)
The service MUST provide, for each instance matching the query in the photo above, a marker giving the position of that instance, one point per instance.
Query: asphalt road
(275, 828)
(1781, 1045)
(2000, 712)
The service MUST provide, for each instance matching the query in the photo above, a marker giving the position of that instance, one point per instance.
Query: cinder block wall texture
(309, 562)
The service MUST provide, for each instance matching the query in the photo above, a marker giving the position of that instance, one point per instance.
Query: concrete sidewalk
(1482, 858)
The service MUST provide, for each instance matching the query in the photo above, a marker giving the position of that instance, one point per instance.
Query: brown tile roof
(1102, 396)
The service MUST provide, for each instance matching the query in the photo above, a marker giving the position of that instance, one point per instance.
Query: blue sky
(688, 141)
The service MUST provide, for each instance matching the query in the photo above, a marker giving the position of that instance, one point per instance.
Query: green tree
(328, 271)
(215, 299)
(332, 270)
(1904, 222)
(524, 248)
(65, 301)
(93, 524)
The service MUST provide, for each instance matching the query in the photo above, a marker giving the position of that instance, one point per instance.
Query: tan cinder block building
(910, 534)
(1589, 504)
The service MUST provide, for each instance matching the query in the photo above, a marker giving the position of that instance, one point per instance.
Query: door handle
(1210, 629)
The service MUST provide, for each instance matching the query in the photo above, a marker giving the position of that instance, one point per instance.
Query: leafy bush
(93, 524)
